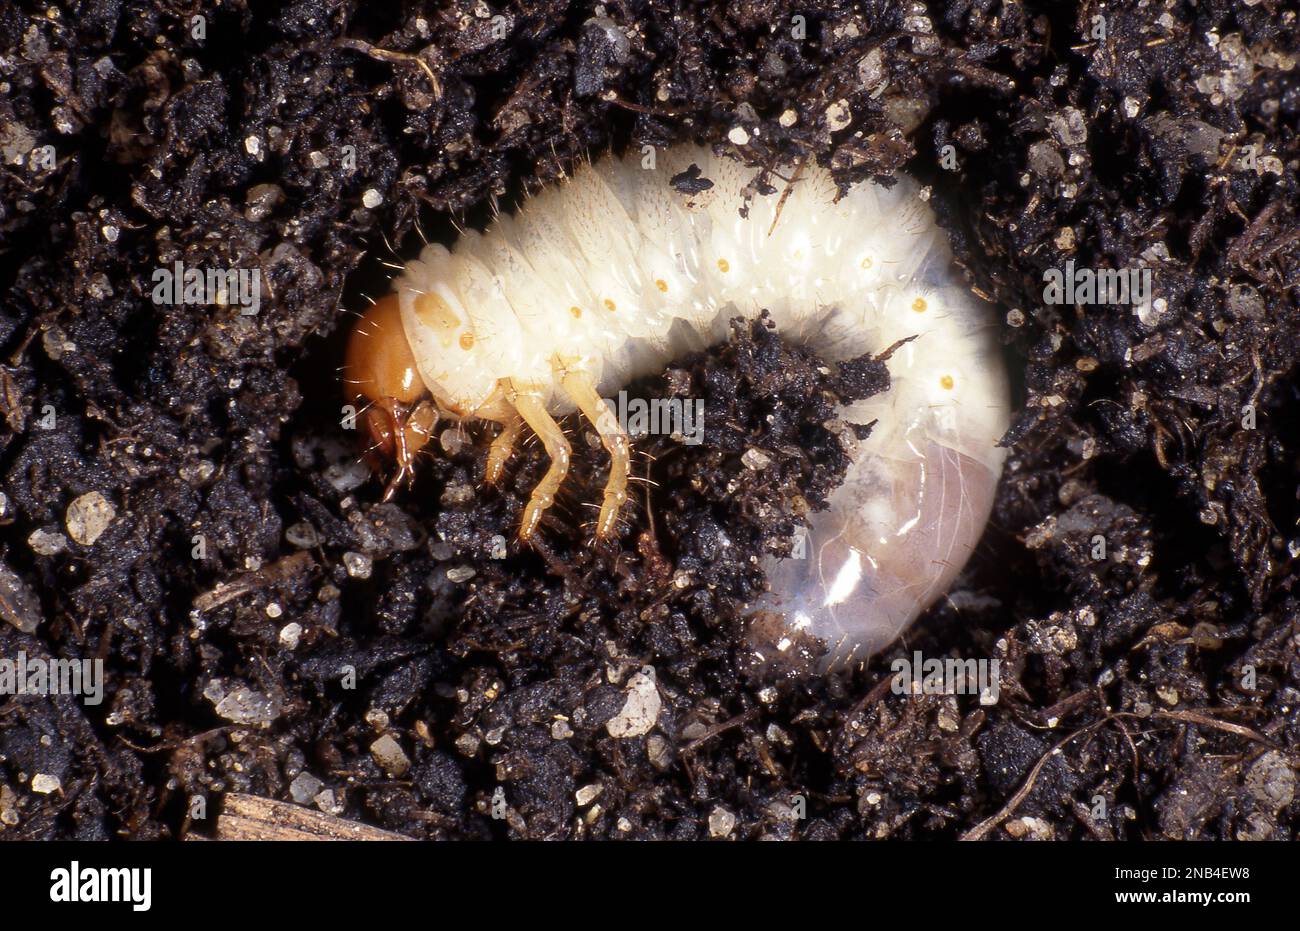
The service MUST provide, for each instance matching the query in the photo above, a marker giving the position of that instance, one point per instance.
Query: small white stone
(377, 718)
(788, 118)
(330, 803)
(358, 565)
(1269, 165)
(739, 136)
(871, 69)
(838, 115)
(290, 635)
(659, 752)
(371, 199)
(587, 794)
(304, 788)
(721, 822)
(88, 517)
(302, 535)
(453, 440)
(8, 808)
(389, 755)
(243, 705)
(253, 145)
(44, 783)
(46, 543)
(641, 710)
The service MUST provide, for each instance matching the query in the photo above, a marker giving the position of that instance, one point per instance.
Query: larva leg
(533, 410)
(578, 385)
(410, 431)
(502, 447)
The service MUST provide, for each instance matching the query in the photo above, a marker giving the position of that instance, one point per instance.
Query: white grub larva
(614, 273)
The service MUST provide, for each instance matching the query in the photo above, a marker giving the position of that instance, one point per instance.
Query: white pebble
(640, 711)
(44, 783)
(88, 517)
(290, 634)
(587, 794)
(358, 565)
(47, 543)
(304, 788)
(721, 822)
(838, 115)
(389, 755)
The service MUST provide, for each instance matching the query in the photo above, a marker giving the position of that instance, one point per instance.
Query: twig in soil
(980, 830)
(279, 571)
(1195, 717)
(392, 57)
(1241, 245)
(665, 112)
(979, 75)
(1062, 709)
(1186, 717)
(717, 729)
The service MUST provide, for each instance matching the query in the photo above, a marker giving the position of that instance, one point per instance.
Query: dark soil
(1168, 673)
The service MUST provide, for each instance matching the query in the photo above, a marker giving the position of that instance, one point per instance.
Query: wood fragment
(280, 571)
(250, 817)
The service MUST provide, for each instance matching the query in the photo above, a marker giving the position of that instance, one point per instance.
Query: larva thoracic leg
(503, 445)
(582, 390)
(533, 409)
(610, 276)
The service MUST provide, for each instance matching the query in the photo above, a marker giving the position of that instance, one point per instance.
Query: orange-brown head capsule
(380, 373)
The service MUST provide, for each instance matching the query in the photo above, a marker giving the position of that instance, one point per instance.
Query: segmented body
(614, 273)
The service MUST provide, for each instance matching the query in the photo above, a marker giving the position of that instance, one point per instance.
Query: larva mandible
(612, 274)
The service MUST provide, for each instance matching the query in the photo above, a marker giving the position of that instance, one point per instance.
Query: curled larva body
(612, 274)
